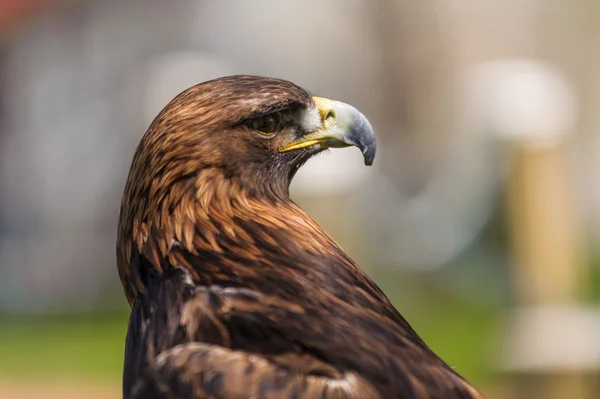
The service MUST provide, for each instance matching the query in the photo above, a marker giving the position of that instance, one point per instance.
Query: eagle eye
(266, 125)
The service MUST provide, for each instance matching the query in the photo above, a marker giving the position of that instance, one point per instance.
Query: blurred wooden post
(546, 248)
(548, 268)
(545, 234)
(552, 342)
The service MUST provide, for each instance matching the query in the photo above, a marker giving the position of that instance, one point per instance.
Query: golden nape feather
(235, 291)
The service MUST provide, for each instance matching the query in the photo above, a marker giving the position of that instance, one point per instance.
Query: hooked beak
(342, 125)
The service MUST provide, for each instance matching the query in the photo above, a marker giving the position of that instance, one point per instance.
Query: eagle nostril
(330, 118)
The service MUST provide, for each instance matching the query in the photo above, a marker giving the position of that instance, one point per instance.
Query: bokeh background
(480, 218)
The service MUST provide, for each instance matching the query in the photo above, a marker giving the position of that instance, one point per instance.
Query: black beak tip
(369, 154)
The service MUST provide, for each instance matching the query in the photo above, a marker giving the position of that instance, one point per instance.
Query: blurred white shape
(171, 73)
(523, 100)
(429, 229)
(553, 339)
(335, 172)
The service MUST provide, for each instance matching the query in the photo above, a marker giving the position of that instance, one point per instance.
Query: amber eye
(267, 125)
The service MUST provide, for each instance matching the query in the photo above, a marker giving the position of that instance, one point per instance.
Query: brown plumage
(235, 291)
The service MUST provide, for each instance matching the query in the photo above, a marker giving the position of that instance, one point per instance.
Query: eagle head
(236, 140)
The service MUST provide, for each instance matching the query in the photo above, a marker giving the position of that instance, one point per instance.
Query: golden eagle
(235, 291)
